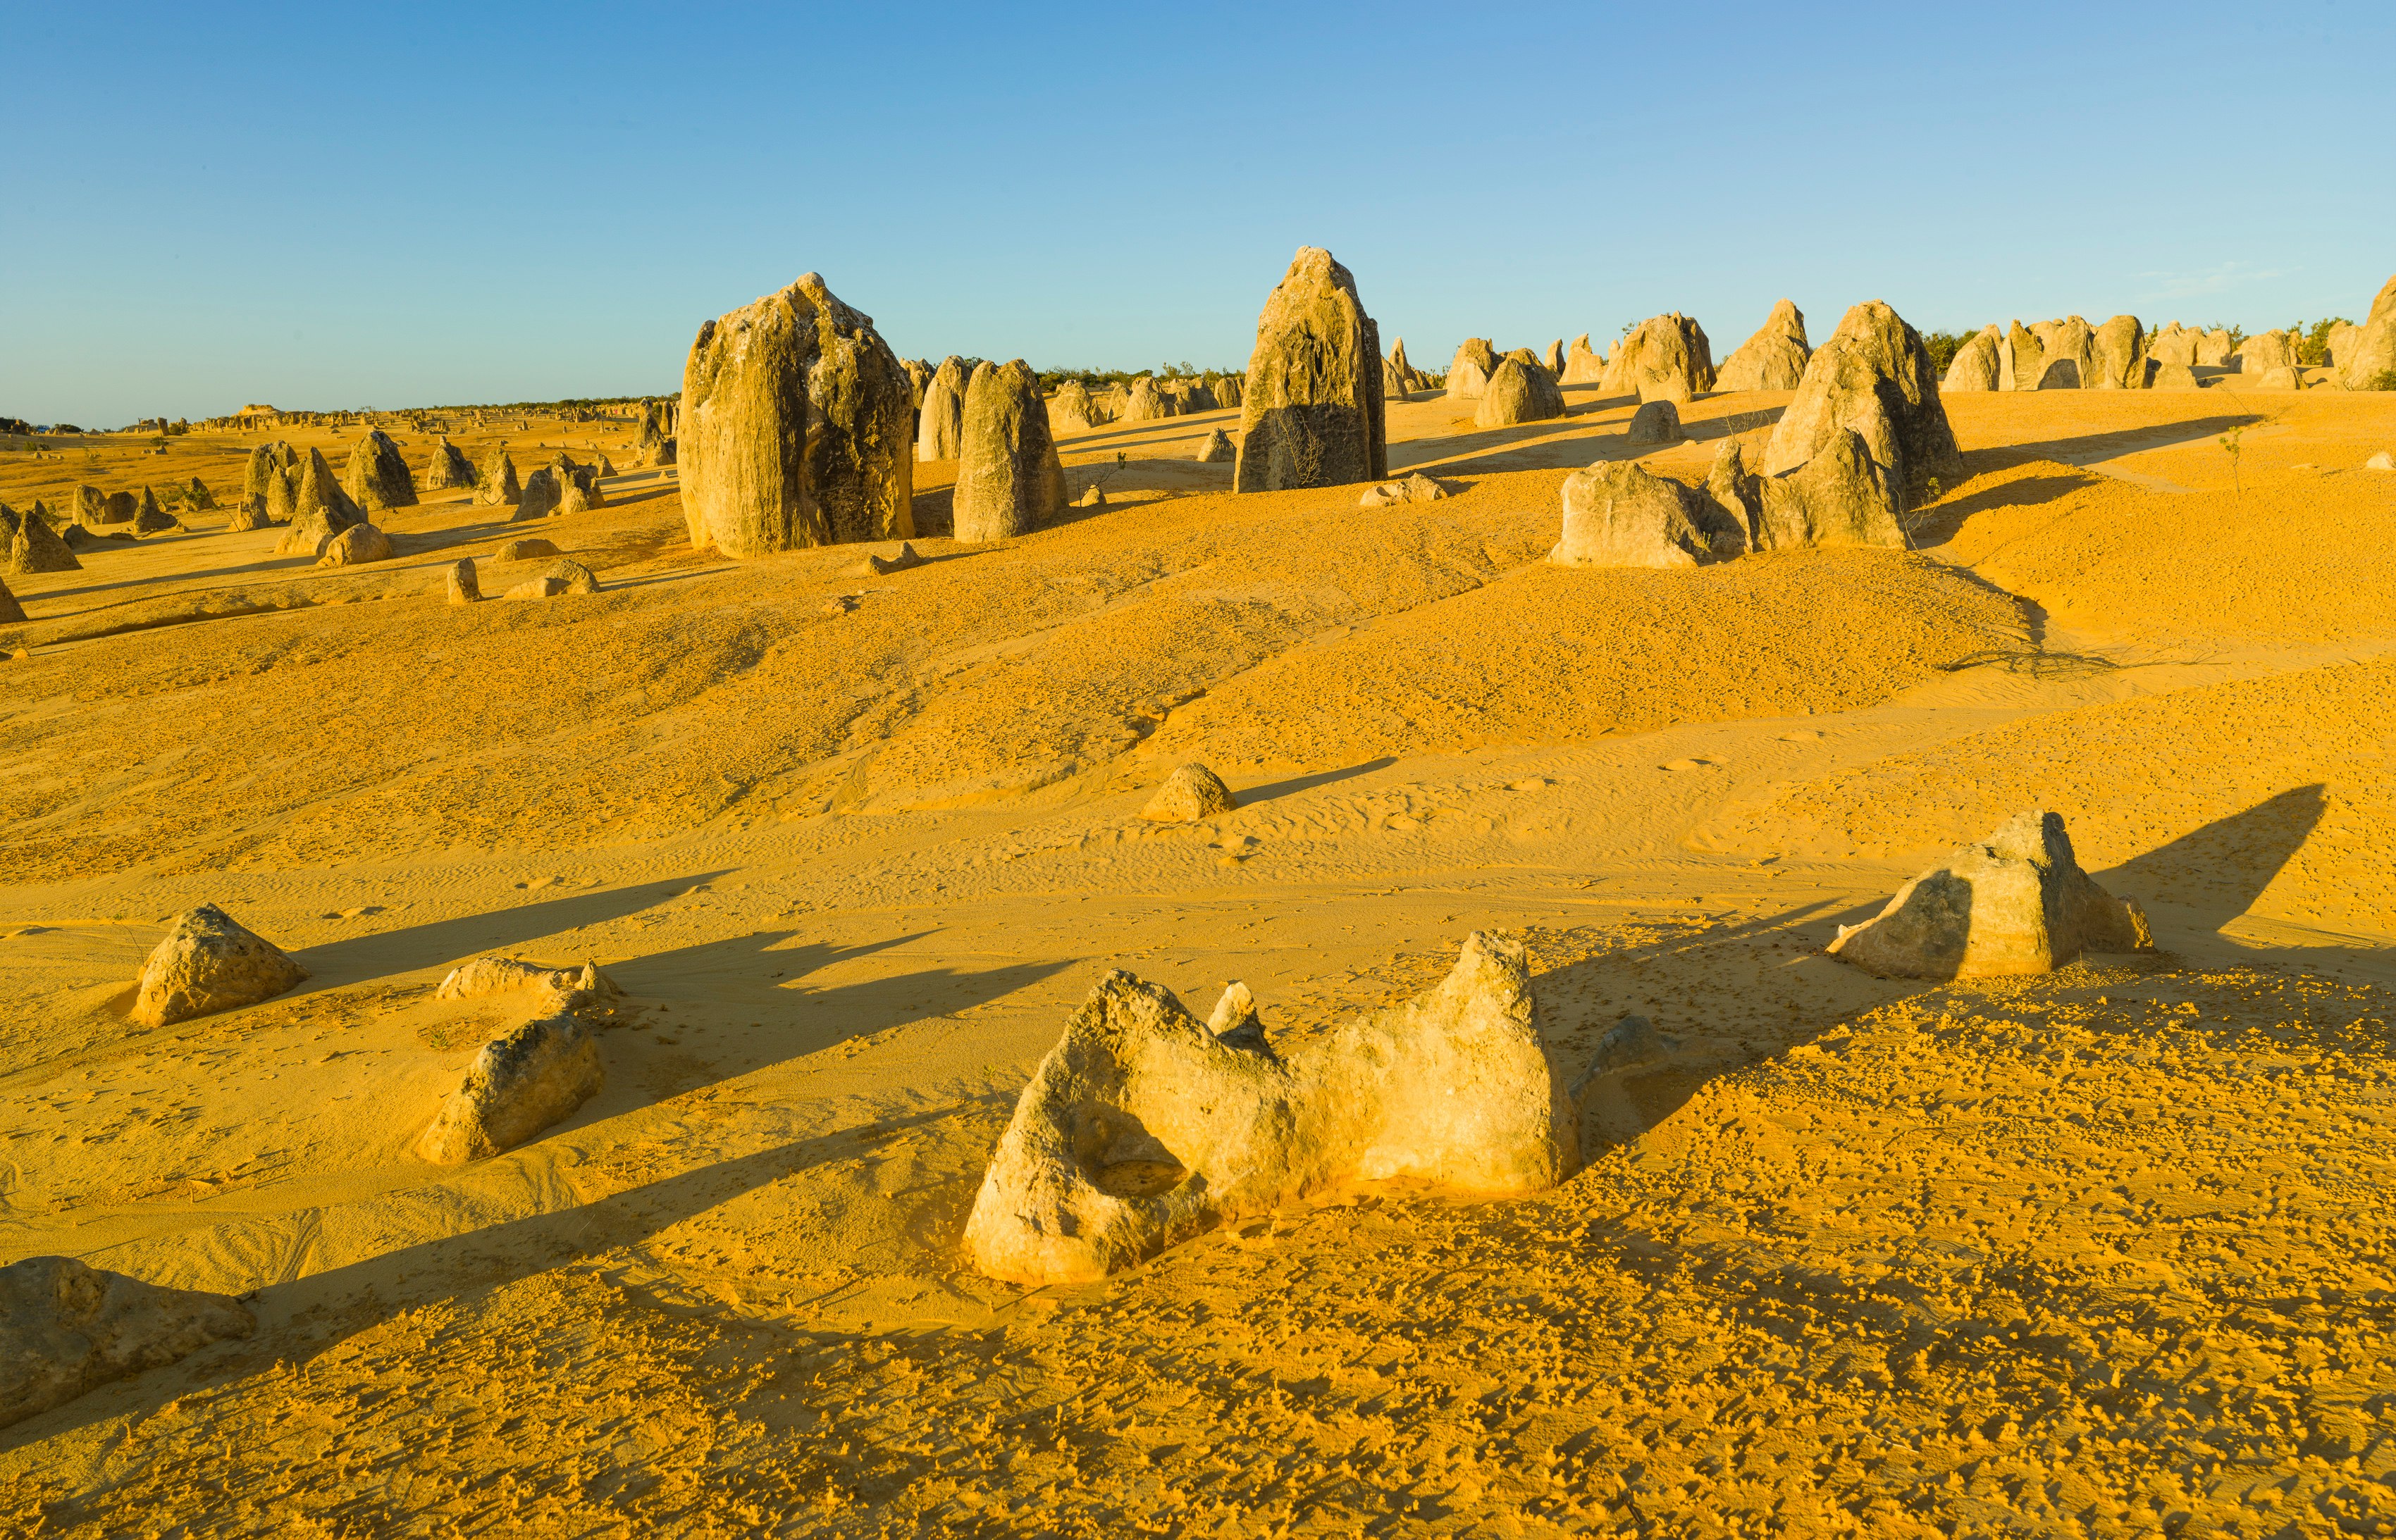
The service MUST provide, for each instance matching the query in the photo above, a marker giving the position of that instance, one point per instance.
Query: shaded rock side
(209, 962)
(449, 468)
(1190, 793)
(1583, 364)
(376, 476)
(1519, 392)
(1469, 371)
(524, 1080)
(1873, 376)
(1976, 366)
(1009, 480)
(1774, 359)
(2016, 903)
(67, 1328)
(1619, 513)
(1665, 358)
(1312, 415)
(1144, 1126)
(495, 484)
(1840, 497)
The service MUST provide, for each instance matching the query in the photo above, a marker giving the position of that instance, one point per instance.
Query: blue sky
(336, 206)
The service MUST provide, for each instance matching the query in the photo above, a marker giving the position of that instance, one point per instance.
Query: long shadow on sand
(1274, 790)
(2102, 446)
(2212, 875)
(426, 945)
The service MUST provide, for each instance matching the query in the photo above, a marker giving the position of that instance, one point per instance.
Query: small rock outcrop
(1654, 423)
(209, 962)
(1190, 793)
(1144, 1126)
(1312, 415)
(357, 544)
(377, 477)
(1874, 377)
(1618, 513)
(535, 588)
(1519, 392)
(1469, 372)
(32, 545)
(450, 468)
(1665, 358)
(1219, 449)
(1976, 366)
(1009, 480)
(1415, 488)
(2281, 379)
(464, 588)
(67, 1328)
(1583, 364)
(2016, 903)
(1774, 359)
(496, 485)
(522, 1081)
(2117, 355)
(1840, 497)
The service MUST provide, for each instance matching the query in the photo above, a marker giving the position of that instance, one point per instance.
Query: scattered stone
(1469, 374)
(1218, 449)
(1665, 358)
(1655, 422)
(209, 962)
(2380, 461)
(1839, 498)
(67, 1328)
(528, 550)
(1519, 392)
(904, 559)
(2118, 356)
(377, 477)
(464, 589)
(357, 544)
(1009, 480)
(522, 1082)
(1144, 1126)
(1312, 415)
(1190, 793)
(1618, 513)
(1093, 495)
(489, 975)
(2018, 903)
(1583, 364)
(1415, 488)
(450, 468)
(1774, 359)
(537, 588)
(1873, 376)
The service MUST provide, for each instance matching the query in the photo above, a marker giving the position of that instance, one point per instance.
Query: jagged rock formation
(2016, 903)
(1665, 358)
(449, 467)
(1312, 415)
(1618, 513)
(1874, 377)
(1469, 372)
(67, 1328)
(377, 477)
(495, 484)
(2174, 344)
(1232, 390)
(209, 962)
(1519, 392)
(320, 509)
(1143, 1127)
(1009, 481)
(1583, 364)
(1190, 793)
(796, 414)
(1839, 498)
(1774, 359)
(197, 493)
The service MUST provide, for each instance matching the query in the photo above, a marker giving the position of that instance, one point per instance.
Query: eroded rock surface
(209, 962)
(1519, 391)
(67, 1328)
(1313, 414)
(1009, 480)
(522, 1082)
(1618, 513)
(1190, 793)
(1774, 359)
(1874, 378)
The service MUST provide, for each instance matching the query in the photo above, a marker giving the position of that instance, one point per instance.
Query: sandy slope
(2086, 1255)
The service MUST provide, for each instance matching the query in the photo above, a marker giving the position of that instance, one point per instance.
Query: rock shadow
(2214, 874)
(1276, 791)
(443, 941)
(2102, 446)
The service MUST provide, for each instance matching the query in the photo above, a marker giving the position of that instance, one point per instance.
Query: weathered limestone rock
(2018, 903)
(209, 962)
(2213, 353)
(2060, 373)
(489, 975)
(450, 468)
(463, 587)
(1583, 364)
(2380, 461)
(197, 493)
(2261, 354)
(120, 508)
(1873, 376)
(1665, 358)
(322, 498)
(1974, 367)
(90, 505)
(377, 477)
(1654, 423)
(1218, 449)
(537, 588)
(2073, 341)
(67, 1328)
(1071, 406)
(1312, 415)
(496, 485)
(2172, 376)
(1469, 374)
(1839, 498)
(1009, 481)
(1415, 488)
(576, 578)
(797, 416)
(2280, 378)
(1190, 793)
(906, 558)
(522, 1082)
(1774, 359)
(1232, 390)
(34, 546)
(1143, 1126)
(2174, 344)
(1618, 514)
(1553, 359)
(150, 519)
(1093, 495)
(357, 544)
(1145, 402)
(1519, 392)
(2365, 358)
(1737, 491)
(11, 612)
(541, 495)
(2022, 359)
(2339, 343)
(528, 550)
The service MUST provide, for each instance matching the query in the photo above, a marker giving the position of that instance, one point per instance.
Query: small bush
(2384, 380)
(1944, 346)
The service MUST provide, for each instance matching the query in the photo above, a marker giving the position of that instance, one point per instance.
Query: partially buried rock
(119, 508)
(2172, 377)
(2380, 461)
(1874, 377)
(1190, 793)
(496, 485)
(1519, 392)
(1218, 449)
(527, 549)
(489, 975)
(2017, 903)
(537, 588)
(1774, 359)
(1415, 488)
(196, 495)
(1145, 1126)
(882, 563)
(2282, 379)
(541, 495)
(521, 1083)
(377, 477)
(1655, 422)
(67, 1328)
(1618, 514)
(208, 962)
(1093, 495)
(1840, 497)
(357, 544)
(1145, 402)
(464, 589)
(1312, 415)
(34, 546)
(576, 578)
(1009, 480)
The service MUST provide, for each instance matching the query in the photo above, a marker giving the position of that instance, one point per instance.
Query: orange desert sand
(2104, 1252)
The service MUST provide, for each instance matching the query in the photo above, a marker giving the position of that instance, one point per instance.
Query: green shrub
(1944, 346)
(2384, 380)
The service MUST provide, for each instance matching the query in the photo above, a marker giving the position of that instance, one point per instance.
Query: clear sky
(342, 205)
